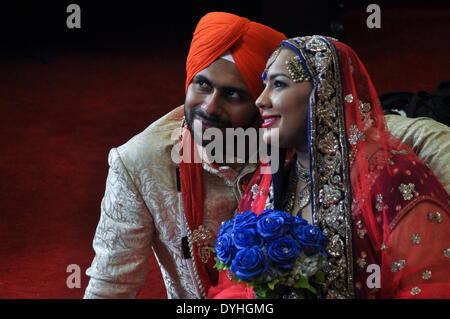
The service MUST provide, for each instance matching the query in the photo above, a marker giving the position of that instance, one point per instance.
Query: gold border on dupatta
(332, 192)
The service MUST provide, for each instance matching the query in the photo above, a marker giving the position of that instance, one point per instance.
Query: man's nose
(213, 104)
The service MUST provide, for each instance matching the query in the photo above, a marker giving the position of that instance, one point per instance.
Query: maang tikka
(293, 65)
(296, 70)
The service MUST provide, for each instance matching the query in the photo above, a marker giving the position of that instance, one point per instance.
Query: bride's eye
(279, 84)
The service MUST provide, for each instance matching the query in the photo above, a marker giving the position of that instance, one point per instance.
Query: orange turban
(250, 44)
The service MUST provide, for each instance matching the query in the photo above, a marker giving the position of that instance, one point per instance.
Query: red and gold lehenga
(384, 212)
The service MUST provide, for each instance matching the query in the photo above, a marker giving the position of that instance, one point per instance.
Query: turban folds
(250, 44)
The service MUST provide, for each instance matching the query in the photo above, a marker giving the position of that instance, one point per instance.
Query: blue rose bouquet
(279, 255)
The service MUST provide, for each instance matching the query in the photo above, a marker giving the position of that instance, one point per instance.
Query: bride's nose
(263, 101)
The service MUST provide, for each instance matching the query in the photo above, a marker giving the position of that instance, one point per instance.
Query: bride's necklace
(294, 199)
(302, 199)
(302, 173)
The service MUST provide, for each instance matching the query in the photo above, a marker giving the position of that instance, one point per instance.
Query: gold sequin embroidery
(379, 204)
(348, 98)
(364, 109)
(398, 265)
(447, 252)
(356, 135)
(361, 232)
(254, 190)
(296, 70)
(438, 217)
(407, 190)
(401, 152)
(426, 275)
(361, 262)
(415, 238)
(272, 59)
(200, 237)
(415, 291)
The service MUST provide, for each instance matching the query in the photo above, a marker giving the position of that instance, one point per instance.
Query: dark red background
(68, 96)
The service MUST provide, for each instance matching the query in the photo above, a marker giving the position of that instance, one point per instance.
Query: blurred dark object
(435, 105)
(300, 18)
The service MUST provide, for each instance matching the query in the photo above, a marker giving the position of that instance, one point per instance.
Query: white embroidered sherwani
(142, 210)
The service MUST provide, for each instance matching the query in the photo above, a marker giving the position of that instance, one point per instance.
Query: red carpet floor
(59, 121)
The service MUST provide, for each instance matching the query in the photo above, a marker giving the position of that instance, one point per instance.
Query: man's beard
(224, 155)
(221, 124)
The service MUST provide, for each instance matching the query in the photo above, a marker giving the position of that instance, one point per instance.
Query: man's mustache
(210, 118)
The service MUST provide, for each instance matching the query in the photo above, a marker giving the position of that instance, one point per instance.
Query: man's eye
(202, 84)
(232, 93)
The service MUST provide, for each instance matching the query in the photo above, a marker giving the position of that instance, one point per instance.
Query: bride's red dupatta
(385, 214)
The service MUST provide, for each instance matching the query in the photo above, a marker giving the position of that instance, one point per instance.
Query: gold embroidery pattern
(331, 202)
(200, 236)
(272, 59)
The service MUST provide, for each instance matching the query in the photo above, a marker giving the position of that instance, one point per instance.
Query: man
(150, 201)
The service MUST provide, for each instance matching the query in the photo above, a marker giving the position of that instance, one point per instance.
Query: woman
(379, 205)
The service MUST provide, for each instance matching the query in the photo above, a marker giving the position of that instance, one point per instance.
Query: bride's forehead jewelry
(293, 65)
(270, 61)
(296, 70)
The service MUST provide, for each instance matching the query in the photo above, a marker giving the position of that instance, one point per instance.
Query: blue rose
(227, 227)
(245, 237)
(299, 224)
(249, 263)
(225, 250)
(245, 219)
(283, 252)
(311, 239)
(273, 224)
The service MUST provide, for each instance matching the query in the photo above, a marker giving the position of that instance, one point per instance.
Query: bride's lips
(269, 120)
